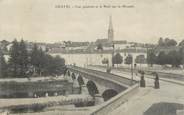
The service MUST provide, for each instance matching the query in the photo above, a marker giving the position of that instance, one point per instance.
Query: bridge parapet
(125, 87)
(116, 101)
(119, 80)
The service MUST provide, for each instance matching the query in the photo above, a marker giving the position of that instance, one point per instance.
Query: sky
(40, 20)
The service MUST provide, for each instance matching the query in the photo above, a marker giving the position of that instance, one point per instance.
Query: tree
(14, 59)
(99, 46)
(174, 58)
(23, 59)
(167, 42)
(105, 61)
(151, 57)
(3, 66)
(161, 42)
(45, 64)
(162, 58)
(54, 65)
(92, 88)
(181, 52)
(117, 59)
(181, 43)
(22, 63)
(140, 59)
(35, 58)
(129, 60)
(170, 42)
(42, 61)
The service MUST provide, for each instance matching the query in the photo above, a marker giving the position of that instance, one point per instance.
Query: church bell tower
(110, 31)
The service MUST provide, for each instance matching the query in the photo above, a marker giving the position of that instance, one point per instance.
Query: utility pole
(132, 69)
(0, 63)
(112, 54)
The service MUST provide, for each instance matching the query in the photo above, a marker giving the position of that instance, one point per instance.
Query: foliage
(23, 58)
(129, 59)
(92, 88)
(33, 63)
(45, 64)
(181, 43)
(99, 46)
(117, 59)
(181, 52)
(161, 58)
(34, 55)
(167, 42)
(14, 59)
(174, 58)
(151, 57)
(3, 65)
(161, 42)
(170, 42)
(140, 59)
(53, 65)
(105, 61)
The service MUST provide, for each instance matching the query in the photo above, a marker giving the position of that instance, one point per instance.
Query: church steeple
(110, 31)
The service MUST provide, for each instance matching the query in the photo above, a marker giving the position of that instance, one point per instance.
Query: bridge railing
(110, 76)
(116, 101)
(161, 74)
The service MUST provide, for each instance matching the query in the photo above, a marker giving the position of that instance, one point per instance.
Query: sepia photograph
(91, 57)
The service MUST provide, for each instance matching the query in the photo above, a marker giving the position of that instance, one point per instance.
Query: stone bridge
(112, 83)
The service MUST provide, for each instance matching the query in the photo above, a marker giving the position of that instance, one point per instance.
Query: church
(110, 38)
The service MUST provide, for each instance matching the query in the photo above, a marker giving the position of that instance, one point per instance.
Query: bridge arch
(73, 76)
(92, 88)
(68, 72)
(109, 93)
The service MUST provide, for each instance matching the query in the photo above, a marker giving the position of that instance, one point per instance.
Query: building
(110, 37)
(110, 31)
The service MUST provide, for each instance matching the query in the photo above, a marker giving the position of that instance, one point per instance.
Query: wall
(116, 101)
(83, 60)
(28, 89)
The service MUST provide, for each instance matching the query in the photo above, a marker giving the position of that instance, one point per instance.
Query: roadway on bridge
(103, 75)
(139, 103)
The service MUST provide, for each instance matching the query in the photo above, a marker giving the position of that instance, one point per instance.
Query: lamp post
(112, 54)
(132, 75)
(132, 70)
